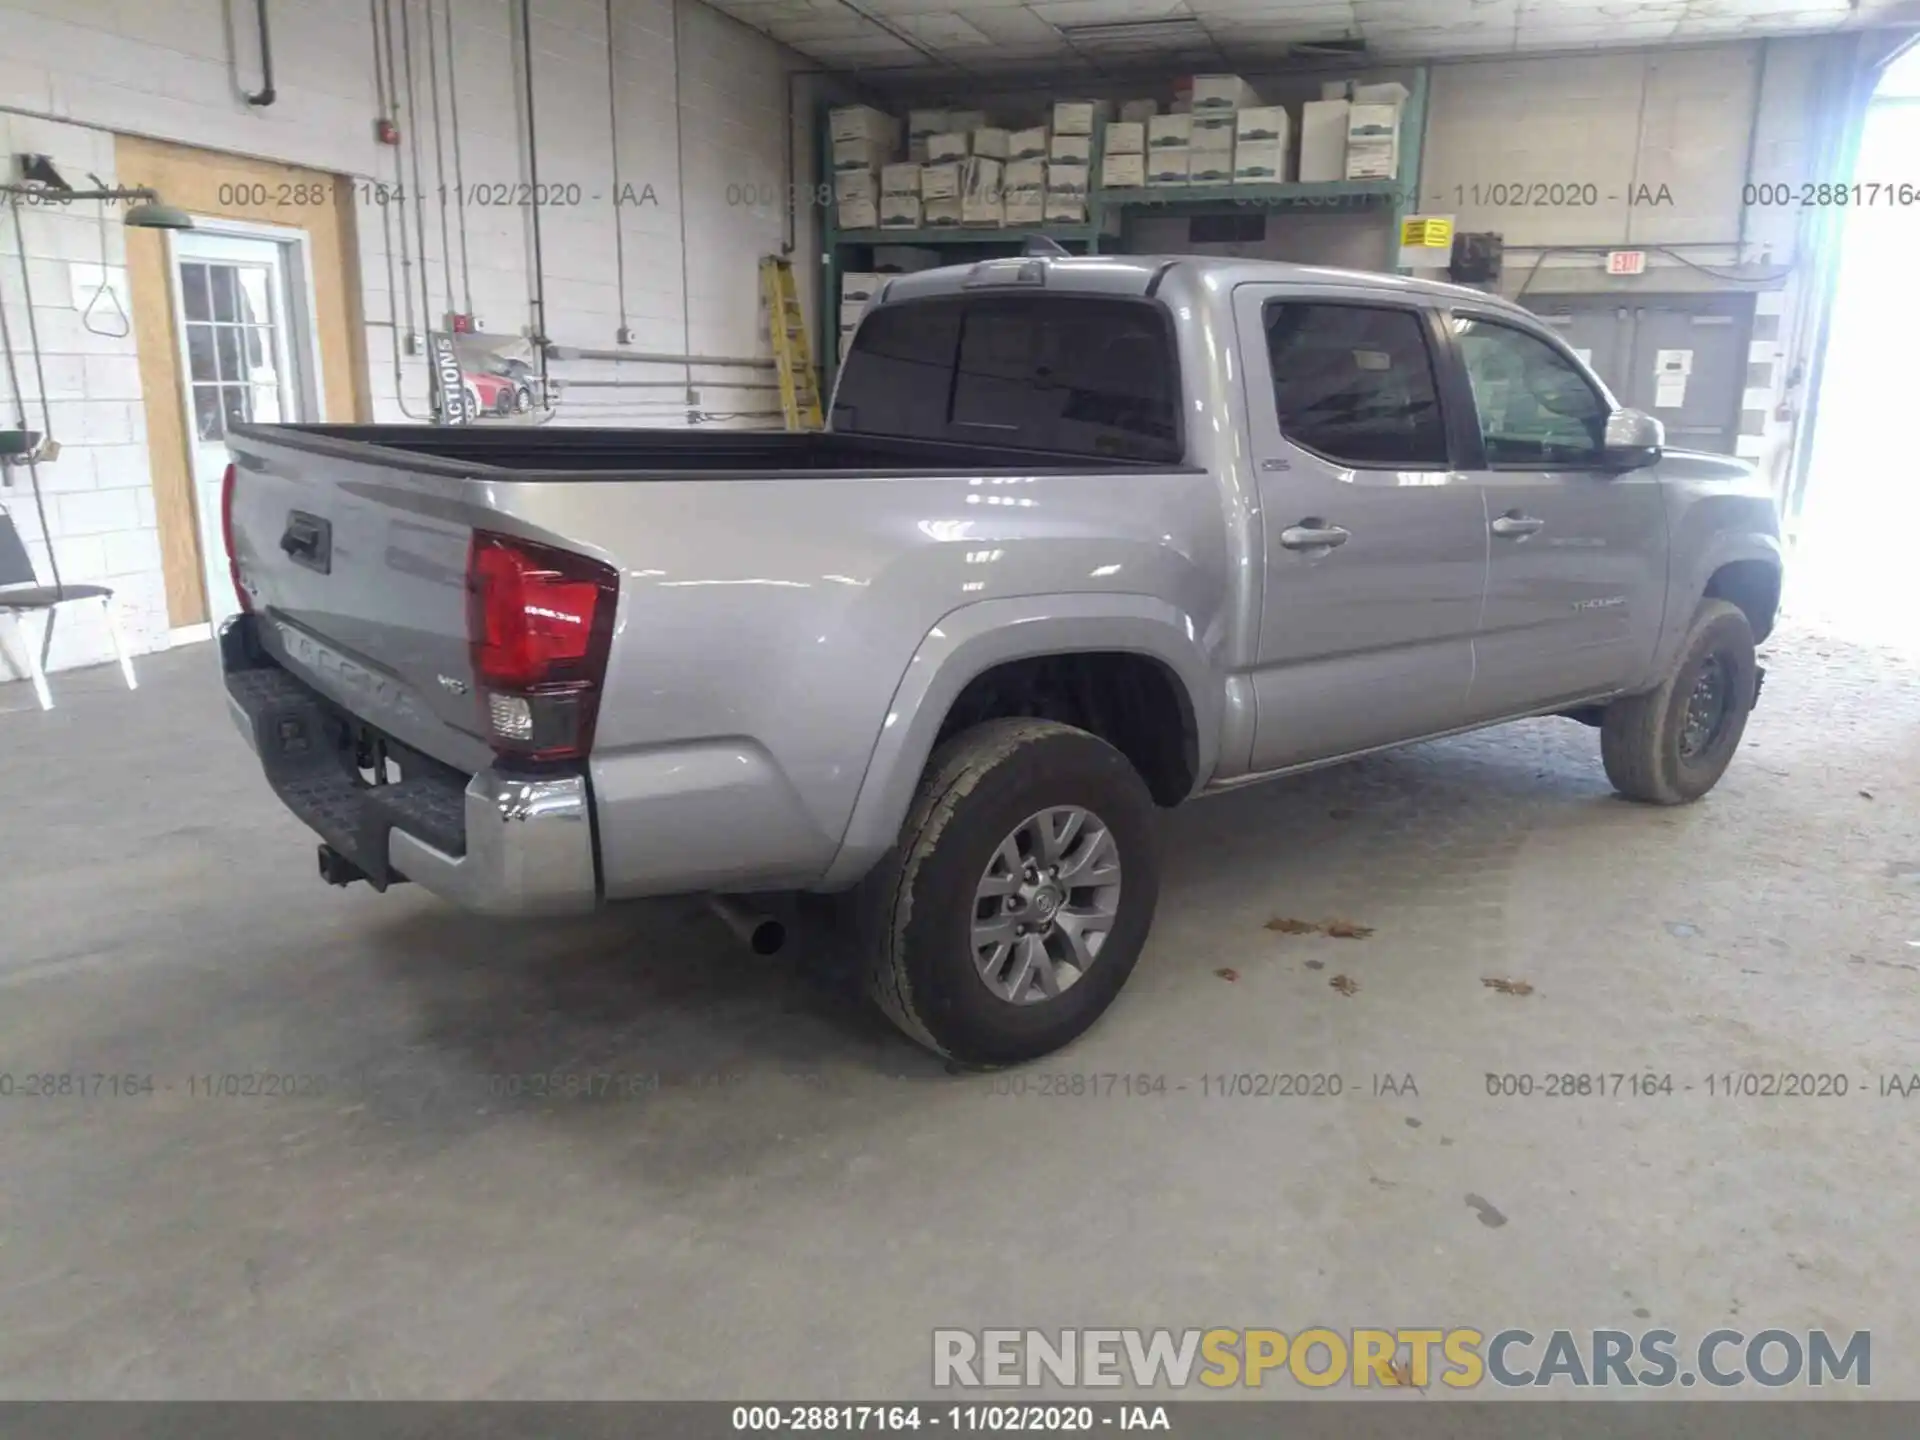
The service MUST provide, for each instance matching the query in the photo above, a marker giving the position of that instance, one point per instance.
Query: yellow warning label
(1427, 232)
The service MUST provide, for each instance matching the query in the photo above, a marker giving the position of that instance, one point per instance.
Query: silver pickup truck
(1084, 537)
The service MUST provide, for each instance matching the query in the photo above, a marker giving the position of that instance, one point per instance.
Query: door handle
(1313, 534)
(1517, 527)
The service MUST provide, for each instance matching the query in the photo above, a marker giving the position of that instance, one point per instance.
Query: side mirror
(1634, 440)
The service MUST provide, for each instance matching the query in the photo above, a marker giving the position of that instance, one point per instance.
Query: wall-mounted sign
(1426, 242)
(1626, 262)
(449, 385)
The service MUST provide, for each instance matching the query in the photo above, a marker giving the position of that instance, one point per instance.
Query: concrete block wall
(698, 107)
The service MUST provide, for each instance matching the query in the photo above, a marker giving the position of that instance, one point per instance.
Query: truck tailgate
(356, 569)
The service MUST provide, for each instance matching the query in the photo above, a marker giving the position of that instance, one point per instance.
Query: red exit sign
(1626, 262)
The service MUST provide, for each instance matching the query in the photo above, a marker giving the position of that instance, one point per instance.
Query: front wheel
(1672, 745)
(1012, 909)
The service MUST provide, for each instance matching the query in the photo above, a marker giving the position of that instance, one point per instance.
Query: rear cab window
(1090, 376)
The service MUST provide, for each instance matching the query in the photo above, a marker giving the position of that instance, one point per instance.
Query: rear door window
(1075, 375)
(1355, 384)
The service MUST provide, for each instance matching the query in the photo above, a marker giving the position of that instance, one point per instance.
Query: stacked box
(900, 179)
(1323, 140)
(1028, 144)
(861, 214)
(981, 200)
(1262, 145)
(1078, 117)
(899, 212)
(920, 125)
(863, 122)
(1070, 149)
(860, 154)
(1169, 132)
(1066, 209)
(1068, 179)
(1221, 92)
(949, 145)
(1211, 167)
(941, 181)
(1373, 142)
(991, 142)
(936, 214)
(1123, 171)
(1386, 92)
(1212, 138)
(856, 185)
(1168, 165)
(860, 285)
(1026, 192)
(1124, 137)
(1138, 112)
(966, 120)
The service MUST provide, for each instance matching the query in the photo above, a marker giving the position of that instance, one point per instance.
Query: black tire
(1641, 735)
(503, 403)
(914, 913)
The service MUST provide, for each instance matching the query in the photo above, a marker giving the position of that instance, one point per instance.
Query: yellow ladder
(792, 355)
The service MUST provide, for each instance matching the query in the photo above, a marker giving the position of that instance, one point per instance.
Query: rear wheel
(1012, 909)
(1673, 744)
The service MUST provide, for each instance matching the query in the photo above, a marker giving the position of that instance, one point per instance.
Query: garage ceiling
(1085, 36)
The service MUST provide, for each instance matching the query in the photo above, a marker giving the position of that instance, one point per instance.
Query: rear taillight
(226, 536)
(540, 622)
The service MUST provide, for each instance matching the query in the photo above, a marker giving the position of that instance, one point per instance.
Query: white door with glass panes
(236, 314)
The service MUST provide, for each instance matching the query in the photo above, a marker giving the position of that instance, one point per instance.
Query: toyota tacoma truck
(1083, 537)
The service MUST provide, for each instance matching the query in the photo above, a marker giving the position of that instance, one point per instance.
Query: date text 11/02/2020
(515, 194)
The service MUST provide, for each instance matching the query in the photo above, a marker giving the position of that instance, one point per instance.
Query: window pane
(228, 340)
(255, 308)
(1534, 407)
(226, 300)
(899, 373)
(208, 422)
(1086, 377)
(200, 362)
(266, 405)
(259, 346)
(1355, 384)
(237, 401)
(193, 292)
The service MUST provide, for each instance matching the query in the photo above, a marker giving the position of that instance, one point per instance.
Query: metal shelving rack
(1108, 212)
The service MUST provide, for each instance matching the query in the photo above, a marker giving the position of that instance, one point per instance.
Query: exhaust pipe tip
(759, 932)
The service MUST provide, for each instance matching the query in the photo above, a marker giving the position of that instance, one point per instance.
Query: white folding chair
(21, 593)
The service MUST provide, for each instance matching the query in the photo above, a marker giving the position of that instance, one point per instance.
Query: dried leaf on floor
(1287, 925)
(1506, 987)
(1316, 964)
(1401, 1371)
(1866, 794)
(1227, 973)
(1347, 930)
(1344, 984)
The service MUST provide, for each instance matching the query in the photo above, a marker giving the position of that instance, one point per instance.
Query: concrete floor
(806, 1196)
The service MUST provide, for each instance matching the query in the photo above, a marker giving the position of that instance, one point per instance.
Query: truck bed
(631, 454)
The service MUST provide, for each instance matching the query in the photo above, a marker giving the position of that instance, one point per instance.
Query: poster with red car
(485, 379)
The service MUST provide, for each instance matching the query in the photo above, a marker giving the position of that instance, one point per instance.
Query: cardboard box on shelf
(903, 259)
(860, 154)
(1168, 165)
(1028, 144)
(936, 214)
(1124, 137)
(1071, 149)
(1210, 167)
(1025, 175)
(983, 177)
(949, 145)
(857, 214)
(917, 150)
(922, 123)
(993, 143)
(1323, 141)
(1079, 117)
(851, 311)
(1373, 159)
(942, 181)
(966, 119)
(1123, 172)
(1169, 132)
(1336, 89)
(856, 185)
(1372, 122)
(984, 210)
(1066, 209)
(900, 212)
(1138, 112)
(1263, 122)
(1260, 162)
(900, 179)
(1026, 204)
(863, 122)
(861, 285)
(1068, 179)
(1385, 92)
(1222, 92)
(1212, 130)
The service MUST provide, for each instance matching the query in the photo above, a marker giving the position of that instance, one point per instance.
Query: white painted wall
(701, 118)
